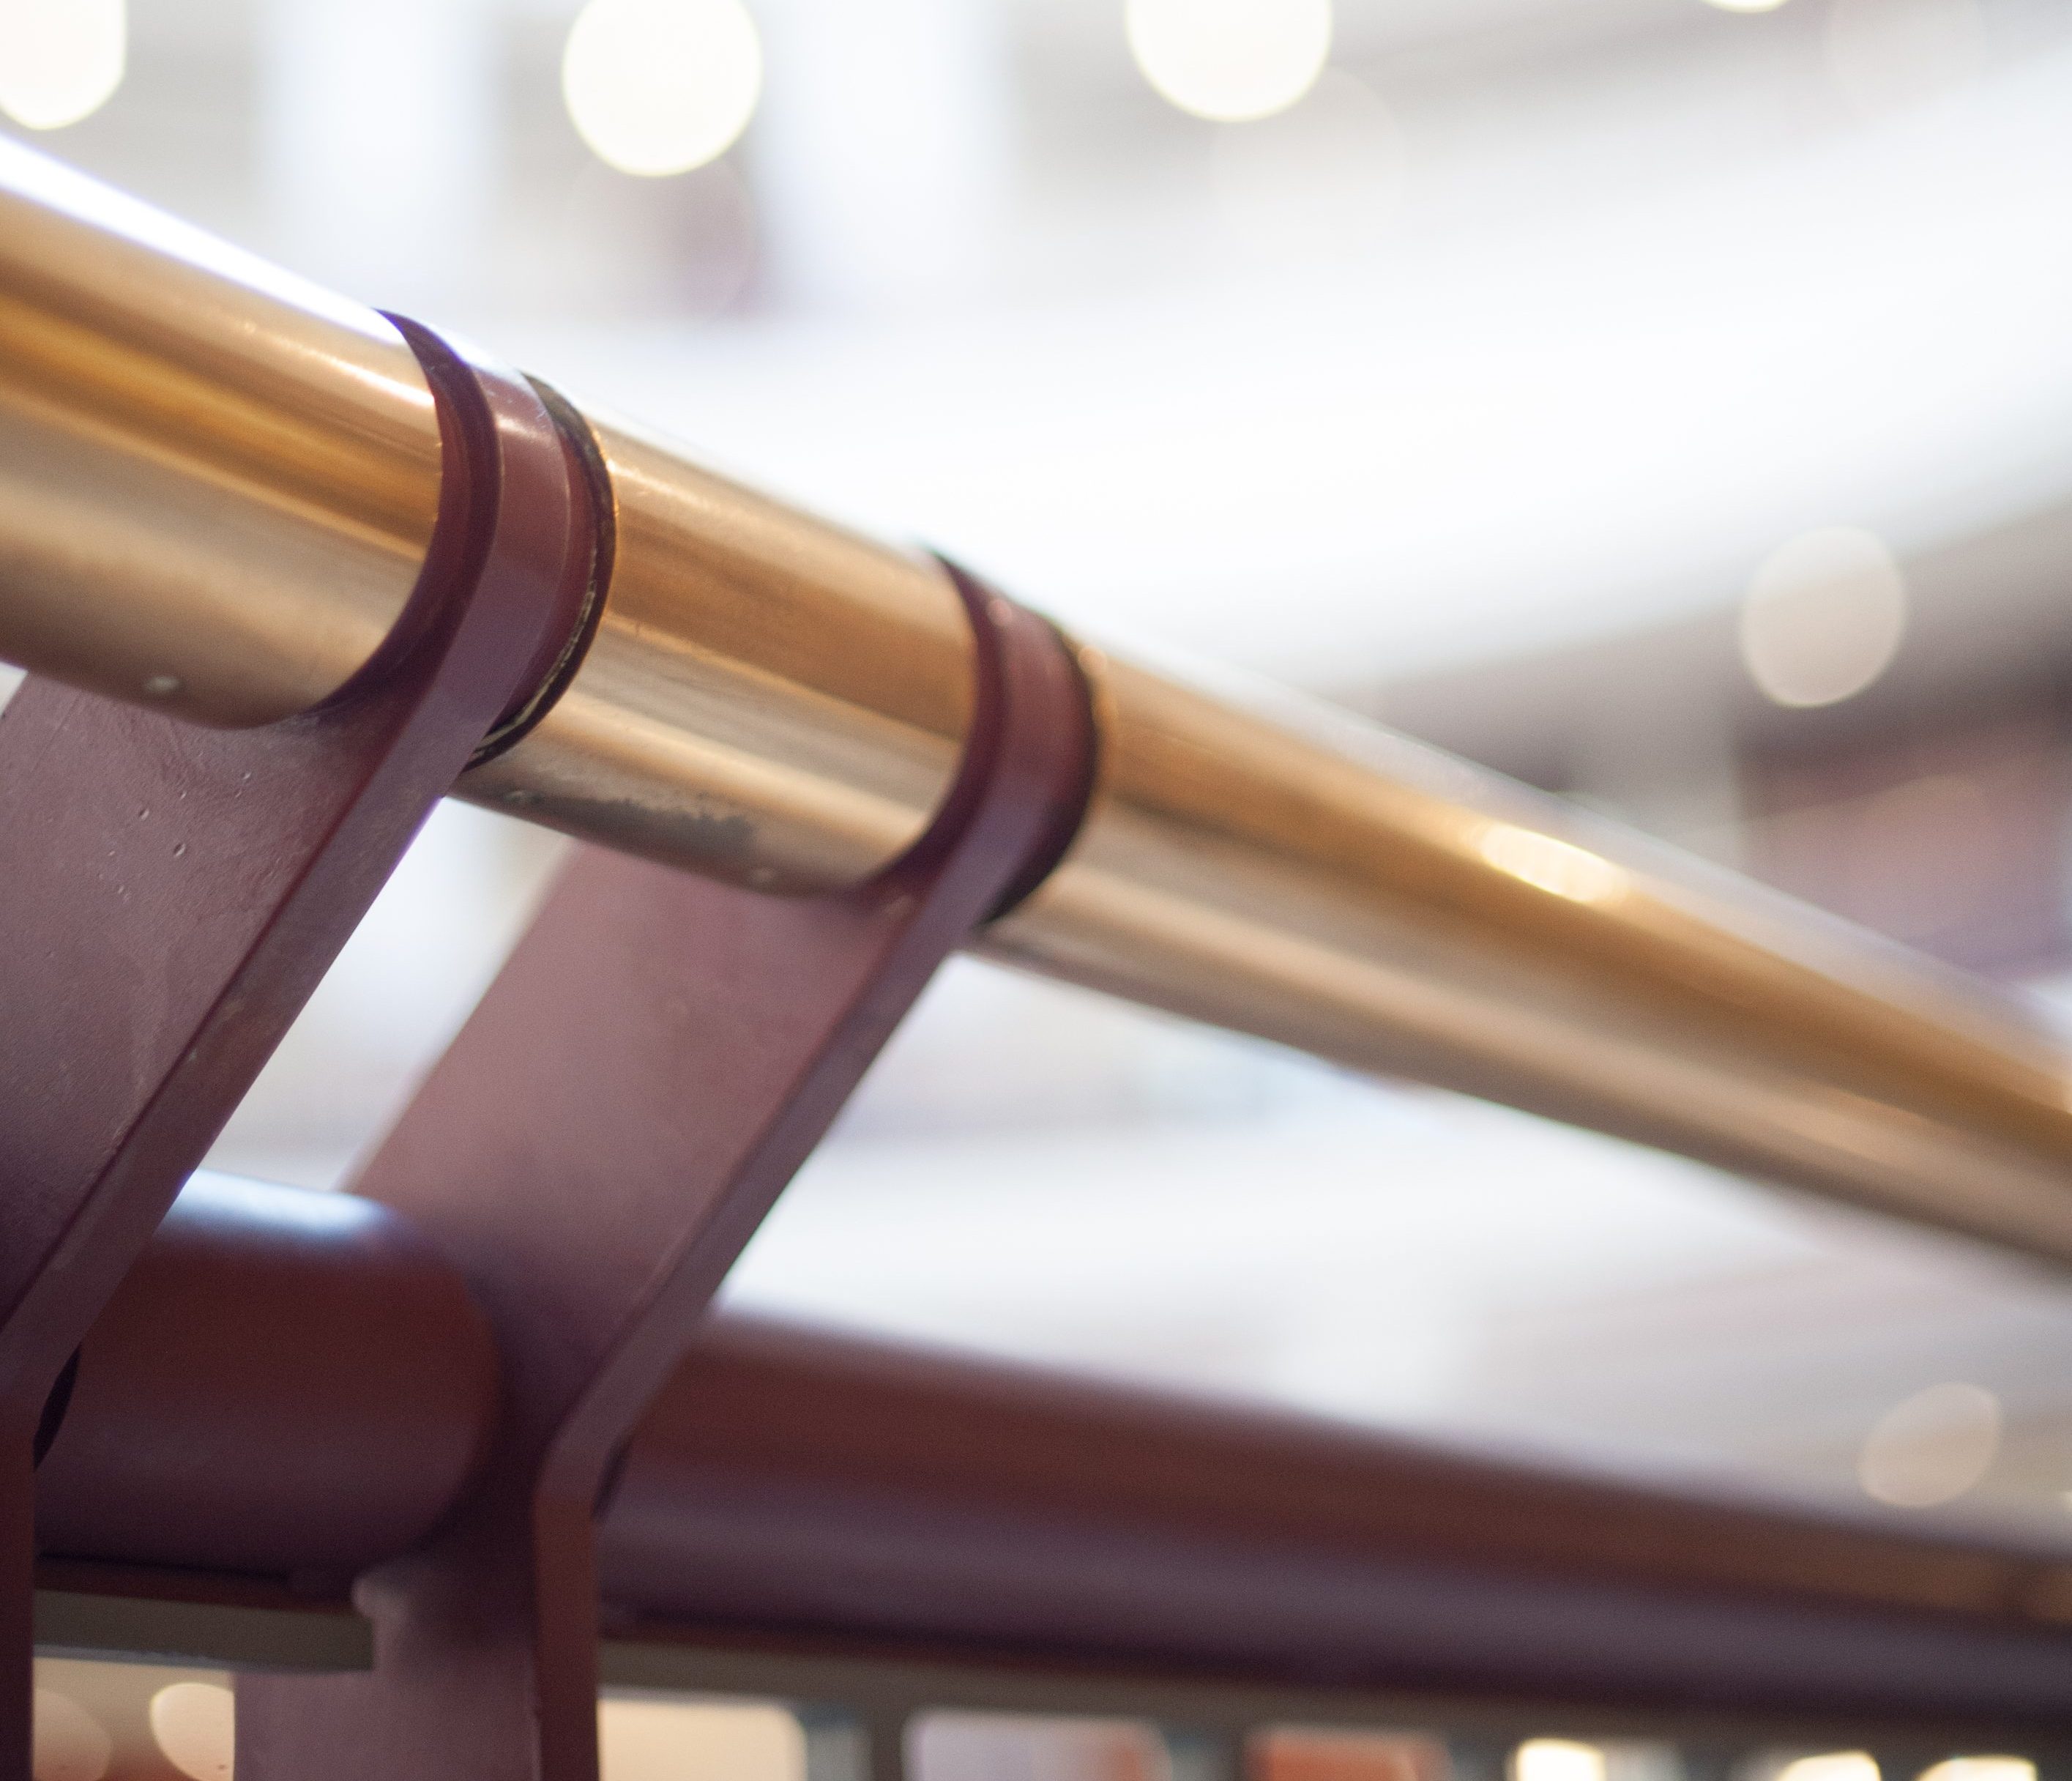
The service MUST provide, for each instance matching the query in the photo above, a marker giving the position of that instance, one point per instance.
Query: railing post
(170, 894)
(658, 1057)
(885, 1745)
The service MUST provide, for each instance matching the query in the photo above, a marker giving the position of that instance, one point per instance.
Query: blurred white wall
(379, 126)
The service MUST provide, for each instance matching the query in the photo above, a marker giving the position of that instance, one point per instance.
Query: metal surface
(769, 698)
(217, 484)
(772, 701)
(656, 1059)
(761, 1403)
(174, 893)
(286, 1384)
(797, 1487)
(1261, 862)
(793, 1496)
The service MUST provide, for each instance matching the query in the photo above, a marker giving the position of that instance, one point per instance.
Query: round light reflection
(653, 1738)
(60, 59)
(1831, 1765)
(657, 87)
(196, 1726)
(1556, 1759)
(1230, 60)
(1932, 1447)
(1823, 617)
(1981, 1768)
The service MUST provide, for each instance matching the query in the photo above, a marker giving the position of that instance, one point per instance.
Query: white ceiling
(1487, 433)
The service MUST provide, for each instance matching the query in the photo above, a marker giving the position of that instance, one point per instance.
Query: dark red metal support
(287, 1384)
(658, 1057)
(290, 1385)
(170, 895)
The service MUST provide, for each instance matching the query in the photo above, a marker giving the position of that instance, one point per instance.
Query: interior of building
(1664, 404)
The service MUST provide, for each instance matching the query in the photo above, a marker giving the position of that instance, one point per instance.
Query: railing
(229, 500)
(794, 1497)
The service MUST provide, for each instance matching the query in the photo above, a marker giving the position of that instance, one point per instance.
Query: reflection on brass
(216, 484)
(215, 490)
(1303, 876)
(768, 697)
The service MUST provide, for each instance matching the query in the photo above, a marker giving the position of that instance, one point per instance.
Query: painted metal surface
(658, 1057)
(286, 1385)
(173, 894)
(798, 1485)
(793, 1498)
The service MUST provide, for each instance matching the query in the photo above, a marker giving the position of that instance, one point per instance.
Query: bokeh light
(658, 87)
(1230, 60)
(1931, 1448)
(661, 1740)
(196, 1726)
(1981, 1768)
(1823, 617)
(1831, 1765)
(1556, 1759)
(70, 1744)
(1558, 867)
(60, 60)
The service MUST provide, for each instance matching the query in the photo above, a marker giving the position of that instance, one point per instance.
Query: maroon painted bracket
(657, 1059)
(170, 894)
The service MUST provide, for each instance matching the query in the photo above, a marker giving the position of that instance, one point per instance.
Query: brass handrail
(216, 485)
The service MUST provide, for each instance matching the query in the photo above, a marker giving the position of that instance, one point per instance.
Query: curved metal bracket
(658, 1057)
(170, 895)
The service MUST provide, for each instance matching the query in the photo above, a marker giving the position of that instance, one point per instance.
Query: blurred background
(1669, 403)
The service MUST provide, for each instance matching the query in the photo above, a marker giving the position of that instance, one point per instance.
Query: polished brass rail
(216, 484)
